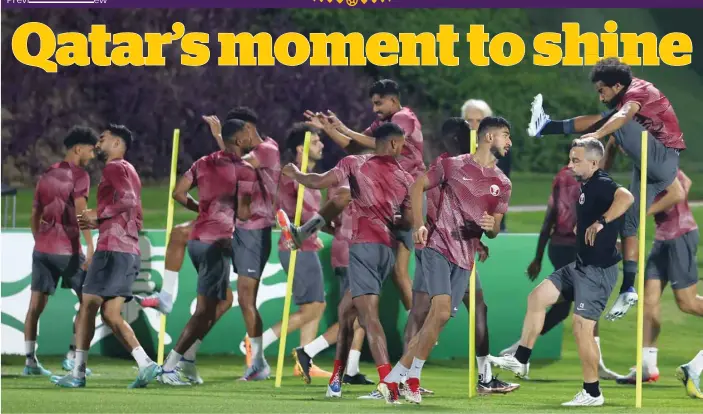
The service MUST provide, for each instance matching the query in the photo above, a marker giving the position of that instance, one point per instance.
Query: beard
(100, 155)
(613, 103)
(496, 153)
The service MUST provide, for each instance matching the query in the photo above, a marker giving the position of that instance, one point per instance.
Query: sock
(81, 362)
(353, 362)
(29, 350)
(257, 351)
(649, 359)
(523, 354)
(592, 388)
(316, 346)
(485, 373)
(629, 270)
(397, 373)
(192, 351)
(600, 353)
(311, 226)
(338, 370)
(142, 358)
(268, 338)
(170, 284)
(171, 360)
(558, 127)
(696, 364)
(383, 371)
(416, 368)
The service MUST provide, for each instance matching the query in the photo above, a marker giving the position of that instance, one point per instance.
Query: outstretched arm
(312, 180)
(180, 193)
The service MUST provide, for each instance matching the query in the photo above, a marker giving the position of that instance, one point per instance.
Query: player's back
(120, 207)
(567, 191)
(267, 176)
(676, 221)
(54, 196)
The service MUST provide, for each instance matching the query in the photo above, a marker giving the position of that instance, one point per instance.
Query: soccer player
(589, 280)
(635, 106)
(379, 189)
(385, 99)
(558, 230)
(115, 265)
(251, 245)
(474, 195)
(671, 260)
(61, 191)
(225, 185)
(690, 375)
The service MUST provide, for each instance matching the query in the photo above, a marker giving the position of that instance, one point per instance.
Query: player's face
(473, 117)
(383, 106)
(397, 143)
(609, 95)
(316, 146)
(500, 142)
(106, 145)
(579, 166)
(243, 139)
(85, 154)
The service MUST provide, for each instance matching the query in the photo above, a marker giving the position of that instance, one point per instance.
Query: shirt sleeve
(266, 154)
(81, 184)
(637, 93)
(343, 169)
(192, 175)
(125, 197)
(502, 206)
(436, 175)
(405, 121)
(606, 188)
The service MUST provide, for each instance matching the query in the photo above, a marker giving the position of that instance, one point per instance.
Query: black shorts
(48, 268)
(112, 274)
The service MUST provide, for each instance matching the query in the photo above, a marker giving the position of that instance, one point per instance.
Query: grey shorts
(250, 251)
(343, 274)
(589, 287)
(112, 274)
(211, 261)
(406, 236)
(662, 167)
(369, 266)
(48, 268)
(561, 254)
(674, 261)
(308, 283)
(441, 277)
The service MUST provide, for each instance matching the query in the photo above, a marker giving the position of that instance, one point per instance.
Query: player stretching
(225, 185)
(635, 105)
(558, 230)
(116, 262)
(379, 189)
(671, 260)
(61, 191)
(474, 195)
(385, 98)
(589, 280)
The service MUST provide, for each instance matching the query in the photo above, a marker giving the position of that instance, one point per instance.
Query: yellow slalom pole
(640, 268)
(169, 226)
(291, 268)
(472, 309)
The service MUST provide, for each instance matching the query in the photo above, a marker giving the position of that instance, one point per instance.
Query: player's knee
(246, 303)
(112, 319)
(686, 304)
(180, 234)
(582, 327)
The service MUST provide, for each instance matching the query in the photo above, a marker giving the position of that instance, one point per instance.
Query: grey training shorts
(112, 274)
(48, 268)
(250, 251)
(369, 266)
(674, 261)
(589, 287)
(211, 261)
(308, 283)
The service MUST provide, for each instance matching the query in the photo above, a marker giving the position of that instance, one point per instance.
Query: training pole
(291, 268)
(640, 268)
(169, 226)
(472, 309)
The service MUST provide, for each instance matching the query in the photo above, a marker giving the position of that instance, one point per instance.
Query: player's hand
(88, 219)
(88, 261)
(319, 243)
(313, 119)
(332, 119)
(482, 252)
(533, 269)
(214, 122)
(290, 170)
(591, 233)
(595, 135)
(487, 222)
(420, 236)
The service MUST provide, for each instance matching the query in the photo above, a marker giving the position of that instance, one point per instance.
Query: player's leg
(45, 277)
(353, 375)
(690, 375)
(420, 303)
(76, 283)
(294, 236)
(588, 354)
(347, 318)
(683, 273)
(175, 253)
(400, 275)
(541, 124)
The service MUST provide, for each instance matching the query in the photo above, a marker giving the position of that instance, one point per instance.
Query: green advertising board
(502, 276)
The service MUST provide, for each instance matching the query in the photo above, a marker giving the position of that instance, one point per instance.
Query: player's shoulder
(404, 114)
(269, 144)
(601, 177)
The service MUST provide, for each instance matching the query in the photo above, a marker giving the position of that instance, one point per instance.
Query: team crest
(582, 198)
(494, 190)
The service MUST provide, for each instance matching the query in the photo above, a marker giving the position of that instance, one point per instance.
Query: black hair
(387, 130)
(490, 122)
(123, 132)
(242, 113)
(384, 87)
(80, 135)
(231, 127)
(456, 133)
(296, 137)
(612, 71)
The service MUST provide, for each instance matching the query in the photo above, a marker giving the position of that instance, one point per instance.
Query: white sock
(696, 364)
(171, 360)
(397, 374)
(257, 351)
(353, 362)
(600, 353)
(485, 373)
(29, 352)
(192, 351)
(81, 363)
(316, 346)
(267, 339)
(649, 359)
(311, 226)
(416, 368)
(141, 357)
(170, 285)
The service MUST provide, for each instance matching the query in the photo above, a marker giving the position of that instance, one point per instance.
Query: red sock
(338, 369)
(383, 371)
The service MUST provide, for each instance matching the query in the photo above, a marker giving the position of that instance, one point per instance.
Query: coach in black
(589, 280)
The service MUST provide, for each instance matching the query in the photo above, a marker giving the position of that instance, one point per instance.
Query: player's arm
(421, 184)
(490, 223)
(37, 211)
(685, 183)
(611, 150)
(550, 220)
(626, 113)
(81, 204)
(181, 195)
(321, 121)
(215, 129)
(125, 197)
(312, 180)
(246, 180)
(675, 193)
(622, 200)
